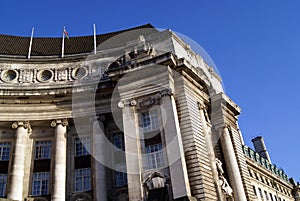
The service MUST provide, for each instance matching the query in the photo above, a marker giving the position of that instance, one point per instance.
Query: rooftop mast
(30, 45)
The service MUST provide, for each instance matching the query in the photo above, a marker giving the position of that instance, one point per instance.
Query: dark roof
(18, 46)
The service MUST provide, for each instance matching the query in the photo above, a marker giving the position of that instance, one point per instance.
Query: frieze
(50, 75)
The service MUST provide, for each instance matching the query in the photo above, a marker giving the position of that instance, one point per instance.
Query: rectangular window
(254, 189)
(40, 183)
(154, 157)
(4, 151)
(150, 120)
(271, 196)
(120, 179)
(3, 179)
(120, 175)
(42, 150)
(260, 193)
(118, 141)
(82, 146)
(266, 194)
(82, 180)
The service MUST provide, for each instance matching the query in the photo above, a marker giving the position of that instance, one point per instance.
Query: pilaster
(133, 150)
(174, 146)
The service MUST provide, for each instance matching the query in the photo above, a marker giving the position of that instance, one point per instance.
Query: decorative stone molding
(204, 109)
(25, 124)
(164, 92)
(63, 74)
(9, 75)
(45, 75)
(64, 122)
(147, 102)
(79, 73)
(129, 102)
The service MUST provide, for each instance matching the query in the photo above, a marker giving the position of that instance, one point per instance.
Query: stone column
(178, 170)
(210, 148)
(132, 151)
(15, 191)
(100, 191)
(232, 166)
(60, 162)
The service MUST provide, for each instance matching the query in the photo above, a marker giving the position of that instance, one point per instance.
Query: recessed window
(150, 120)
(119, 172)
(3, 180)
(82, 146)
(44, 75)
(120, 175)
(154, 156)
(271, 196)
(4, 151)
(40, 183)
(266, 195)
(260, 193)
(9, 75)
(79, 72)
(82, 180)
(42, 150)
(118, 141)
(254, 190)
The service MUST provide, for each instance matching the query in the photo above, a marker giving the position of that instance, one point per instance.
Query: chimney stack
(260, 147)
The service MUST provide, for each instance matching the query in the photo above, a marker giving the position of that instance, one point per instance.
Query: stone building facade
(142, 117)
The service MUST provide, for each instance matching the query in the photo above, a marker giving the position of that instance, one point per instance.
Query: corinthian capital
(63, 122)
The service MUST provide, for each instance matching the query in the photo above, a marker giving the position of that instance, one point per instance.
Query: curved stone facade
(142, 118)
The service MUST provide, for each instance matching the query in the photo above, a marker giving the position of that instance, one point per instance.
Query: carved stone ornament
(128, 102)
(227, 190)
(25, 124)
(147, 102)
(81, 197)
(133, 102)
(155, 180)
(64, 122)
(121, 104)
(164, 92)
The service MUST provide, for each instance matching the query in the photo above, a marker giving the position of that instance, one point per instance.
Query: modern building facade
(130, 115)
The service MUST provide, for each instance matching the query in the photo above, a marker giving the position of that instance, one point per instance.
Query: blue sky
(255, 45)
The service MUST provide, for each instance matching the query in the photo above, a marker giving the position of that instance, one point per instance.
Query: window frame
(5, 145)
(42, 149)
(80, 186)
(46, 177)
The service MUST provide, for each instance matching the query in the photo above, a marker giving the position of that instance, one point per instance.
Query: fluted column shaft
(17, 175)
(100, 193)
(232, 166)
(59, 174)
